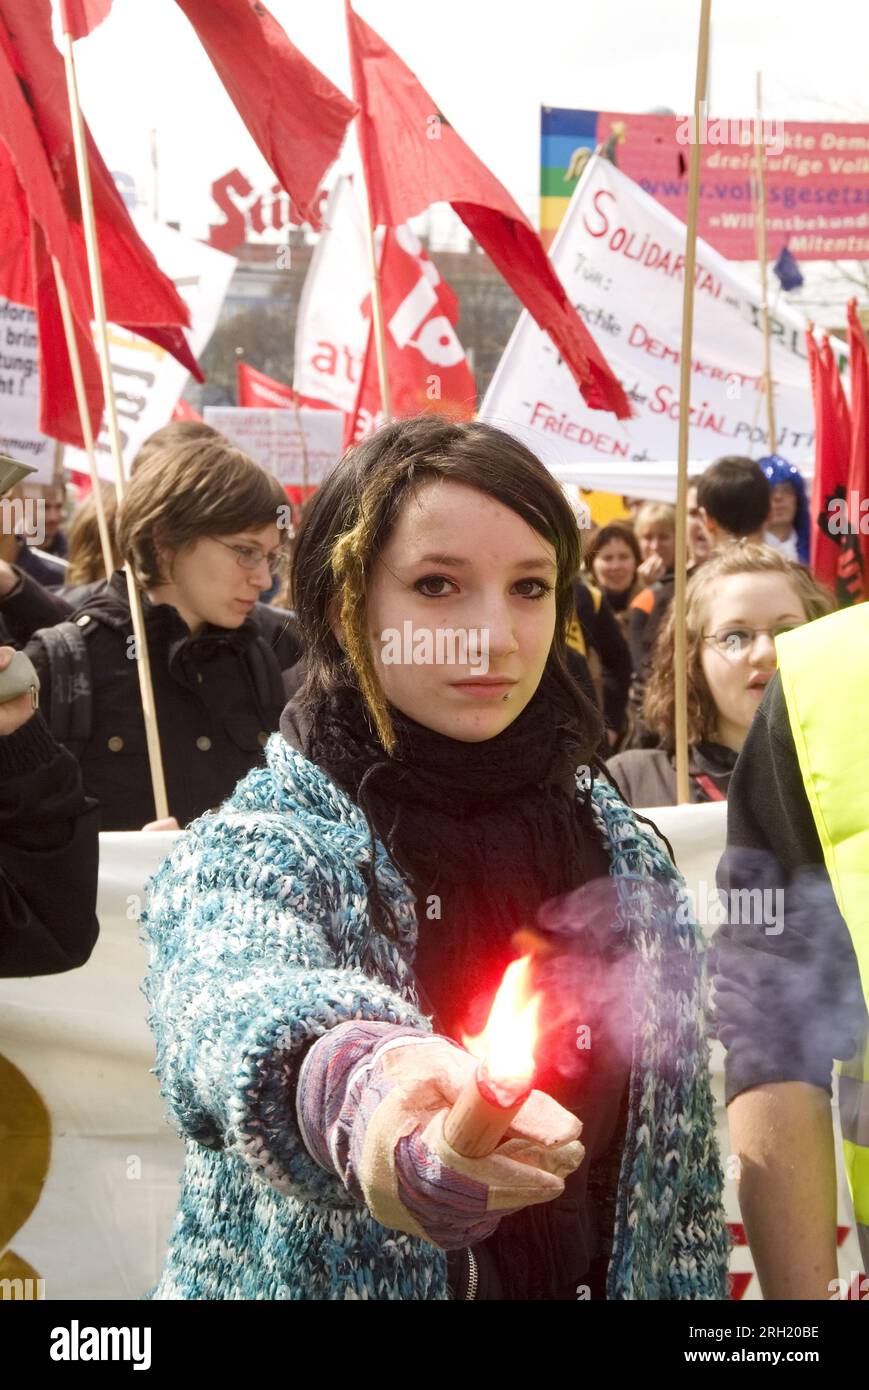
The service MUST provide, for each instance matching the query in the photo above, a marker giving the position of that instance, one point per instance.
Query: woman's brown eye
(431, 581)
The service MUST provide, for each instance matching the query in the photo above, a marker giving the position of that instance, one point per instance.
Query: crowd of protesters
(470, 797)
(204, 531)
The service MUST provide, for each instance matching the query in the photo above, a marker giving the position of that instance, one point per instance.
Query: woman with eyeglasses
(738, 602)
(204, 529)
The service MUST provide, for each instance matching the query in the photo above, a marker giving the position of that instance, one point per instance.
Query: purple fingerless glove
(336, 1093)
(341, 1084)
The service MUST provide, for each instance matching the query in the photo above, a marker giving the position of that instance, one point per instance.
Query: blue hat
(778, 470)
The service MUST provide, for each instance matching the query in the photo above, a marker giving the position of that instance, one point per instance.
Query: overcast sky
(489, 64)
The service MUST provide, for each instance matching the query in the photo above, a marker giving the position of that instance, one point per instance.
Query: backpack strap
(71, 711)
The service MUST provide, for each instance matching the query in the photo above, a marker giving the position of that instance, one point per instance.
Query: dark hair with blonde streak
(184, 492)
(739, 557)
(352, 516)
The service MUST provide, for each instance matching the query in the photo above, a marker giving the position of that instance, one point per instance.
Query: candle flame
(506, 1044)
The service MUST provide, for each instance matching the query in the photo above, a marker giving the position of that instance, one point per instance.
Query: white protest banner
(90, 1160)
(331, 330)
(148, 381)
(620, 256)
(19, 392)
(299, 447)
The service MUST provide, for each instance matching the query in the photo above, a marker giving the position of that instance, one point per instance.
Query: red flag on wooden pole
(40, 177)
(294, 113)
(428, 370)
(80, 17)
(413, 157)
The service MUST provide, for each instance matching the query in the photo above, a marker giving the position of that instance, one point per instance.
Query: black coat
(31, 606)
(214, 711)
(48, 856)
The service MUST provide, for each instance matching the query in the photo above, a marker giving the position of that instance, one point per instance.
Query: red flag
(857, 541)
(184, 411)
(79, 17)
(832, 447)
(426, 364)
(40, 176)
(294, 113)
(58, 406)
(256, 390)
(413, 157)
(833, 563)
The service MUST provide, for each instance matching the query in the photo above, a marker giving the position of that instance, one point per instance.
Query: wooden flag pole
(143, 665)
(84, 417)
(761, 256)
(680, 674)
(377, 308)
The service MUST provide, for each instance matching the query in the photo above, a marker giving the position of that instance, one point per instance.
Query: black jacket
(48, 856)
(787, 987)
(31, 606)
(602, 633)
(217, 701)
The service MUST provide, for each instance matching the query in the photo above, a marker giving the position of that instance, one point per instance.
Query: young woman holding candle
(321, 945)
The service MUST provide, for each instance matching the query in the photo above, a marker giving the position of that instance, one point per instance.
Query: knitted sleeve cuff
(262, 1123)
(29, 747)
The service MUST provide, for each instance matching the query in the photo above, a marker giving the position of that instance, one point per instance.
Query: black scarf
(485, 831)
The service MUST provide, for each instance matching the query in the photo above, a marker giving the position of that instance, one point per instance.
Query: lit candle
(487, 1104)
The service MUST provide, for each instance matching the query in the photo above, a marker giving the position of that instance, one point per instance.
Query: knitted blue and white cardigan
(261, 939)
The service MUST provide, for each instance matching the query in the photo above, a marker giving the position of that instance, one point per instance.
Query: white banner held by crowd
(147, 380)
(92, 1186)
(19, 392)
(299, 447)
(620, 257)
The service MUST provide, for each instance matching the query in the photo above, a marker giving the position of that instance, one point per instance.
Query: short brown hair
(613, 531)
(738, 557)
(206, 487)
(175, 433)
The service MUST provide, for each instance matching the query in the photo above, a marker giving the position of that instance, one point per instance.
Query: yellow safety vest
(824, 670)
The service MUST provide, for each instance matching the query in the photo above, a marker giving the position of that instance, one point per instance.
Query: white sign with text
(299, 447)
(620, 256)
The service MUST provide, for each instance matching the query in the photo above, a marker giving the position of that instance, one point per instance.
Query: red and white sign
(251, 215)
(426, 364)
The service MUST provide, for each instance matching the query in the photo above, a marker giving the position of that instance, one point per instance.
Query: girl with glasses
(738, 602)
(202, 526)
